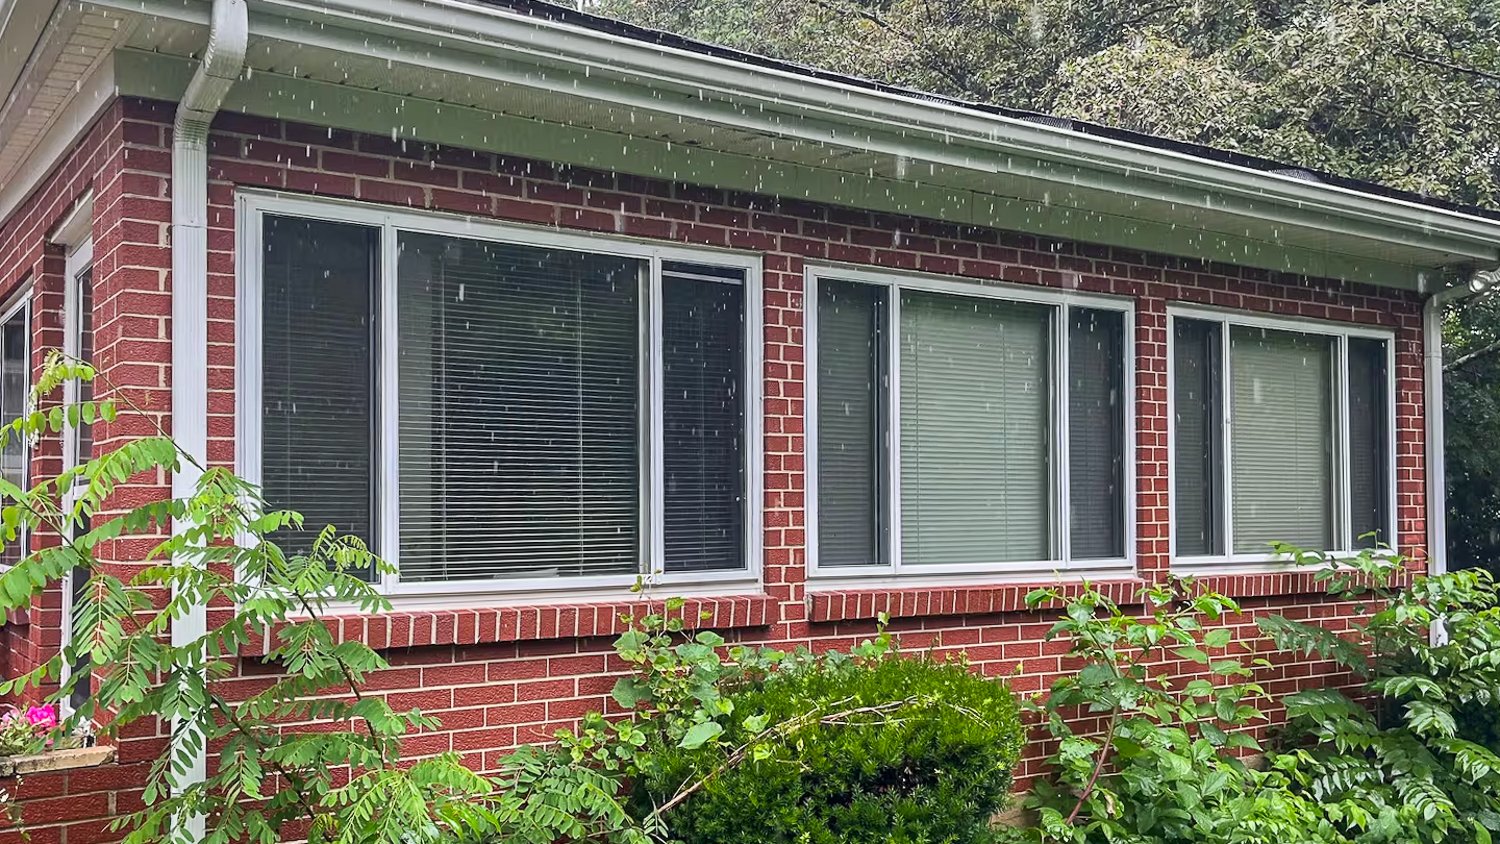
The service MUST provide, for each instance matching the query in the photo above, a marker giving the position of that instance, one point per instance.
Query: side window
(1259, 453)
(78, 442)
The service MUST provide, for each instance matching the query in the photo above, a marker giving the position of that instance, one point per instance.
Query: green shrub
(1165, 769)
(870, 750)
(1417, 759)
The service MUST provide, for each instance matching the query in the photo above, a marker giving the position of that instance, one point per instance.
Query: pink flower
(42, 717)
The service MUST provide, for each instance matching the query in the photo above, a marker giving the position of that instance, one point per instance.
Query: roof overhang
(475, 75)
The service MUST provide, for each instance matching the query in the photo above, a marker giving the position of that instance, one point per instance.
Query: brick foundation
(499, 676)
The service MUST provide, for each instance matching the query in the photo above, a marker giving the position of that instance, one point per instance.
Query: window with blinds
(520, 430)
(1281, 438)
(1096, 434)
(508, 413)
(317, 375)
(974, 430)
(973, 388)
(1293, 472)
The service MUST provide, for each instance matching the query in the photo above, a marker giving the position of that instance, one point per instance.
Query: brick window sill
(531, 623)
(863, 604)
(919, 601)
(55, 760)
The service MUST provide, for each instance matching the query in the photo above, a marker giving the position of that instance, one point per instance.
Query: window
(490, 412)
(15, 386)
(965, 429)
(78, 442)
(1281, 433)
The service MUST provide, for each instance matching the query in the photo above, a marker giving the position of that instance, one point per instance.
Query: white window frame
(1230, 562)
(79, 261)
(76, 235)
(894, 572)
(253, 206)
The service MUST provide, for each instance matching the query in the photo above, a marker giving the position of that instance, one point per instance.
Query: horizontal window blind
(1369, 443)
(702, 359)
(317, 366)
(519, 415)
(1198, 454)
(974, 417)
(1281, 439)
(1096, 434)
(851, 341)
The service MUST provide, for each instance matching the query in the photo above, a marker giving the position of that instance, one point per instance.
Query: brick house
(542, 304)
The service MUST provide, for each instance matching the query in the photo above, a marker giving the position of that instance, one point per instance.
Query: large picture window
(524, 413)
(1281, 433)
(963, 429)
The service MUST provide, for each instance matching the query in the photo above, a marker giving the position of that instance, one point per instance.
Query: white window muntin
(253, 206)
(1340, 333)
(1060, 301)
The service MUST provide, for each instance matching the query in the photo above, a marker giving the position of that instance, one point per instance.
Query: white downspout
(1432, 382)
(223, 59)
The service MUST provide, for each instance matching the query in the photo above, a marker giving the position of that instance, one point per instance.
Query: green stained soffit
(271, 94)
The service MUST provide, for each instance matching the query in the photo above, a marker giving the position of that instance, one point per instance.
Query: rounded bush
(932, 770)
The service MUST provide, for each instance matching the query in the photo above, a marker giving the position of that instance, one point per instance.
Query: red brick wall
(498, 676)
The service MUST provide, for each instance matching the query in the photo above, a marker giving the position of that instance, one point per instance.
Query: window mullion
(387, 505)
(1343, 485)
(1058, 447)
(893, 425)
(653, 423)
(1226, 437)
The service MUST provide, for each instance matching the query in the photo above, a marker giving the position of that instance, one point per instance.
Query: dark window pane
(15, 383)
(1198, 459)
(318, 375)
(1096, 433)
(703, 353)
(851, 423)
(83, 346)
(519, 418)
(1369, 443)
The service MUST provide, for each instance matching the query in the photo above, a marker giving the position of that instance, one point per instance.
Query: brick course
(498, 676)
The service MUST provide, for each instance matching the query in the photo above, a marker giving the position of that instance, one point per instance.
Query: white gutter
(1432, 383)
(223, 59)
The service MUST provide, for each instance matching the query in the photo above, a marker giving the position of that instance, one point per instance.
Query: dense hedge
(933, 771)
